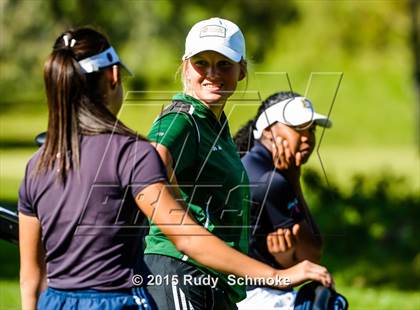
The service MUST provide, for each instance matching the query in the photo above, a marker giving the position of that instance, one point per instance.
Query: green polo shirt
(211, 178)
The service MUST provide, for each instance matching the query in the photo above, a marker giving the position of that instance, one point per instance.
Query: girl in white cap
(193, 139)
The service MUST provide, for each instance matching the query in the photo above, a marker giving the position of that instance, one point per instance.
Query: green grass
(12, 169)
(370, 298)
(20, 125)
(9, 275)
(343, 163)
(9, 294)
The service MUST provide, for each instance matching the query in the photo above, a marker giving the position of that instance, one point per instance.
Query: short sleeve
(24, 202)
(140, 166)
(279, 201)
(176, 131)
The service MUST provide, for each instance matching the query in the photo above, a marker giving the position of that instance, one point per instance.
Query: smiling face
(211, 77)
(300, 139)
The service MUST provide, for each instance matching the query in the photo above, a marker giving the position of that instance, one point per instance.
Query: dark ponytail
(244, 137)
(75, 100)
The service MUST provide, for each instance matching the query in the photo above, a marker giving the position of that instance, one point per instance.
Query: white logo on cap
(213, 31)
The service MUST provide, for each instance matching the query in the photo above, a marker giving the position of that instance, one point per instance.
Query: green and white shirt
(211, 178)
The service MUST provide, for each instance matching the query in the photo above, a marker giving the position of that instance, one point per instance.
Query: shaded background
(355, 59)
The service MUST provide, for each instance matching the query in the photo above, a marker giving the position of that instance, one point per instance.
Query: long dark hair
(244, 137)
(76, 102)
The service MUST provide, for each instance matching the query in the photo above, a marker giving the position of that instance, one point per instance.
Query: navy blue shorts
(135, 298)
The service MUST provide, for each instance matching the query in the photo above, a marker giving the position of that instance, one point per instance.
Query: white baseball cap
(292, 112)
(215, 34)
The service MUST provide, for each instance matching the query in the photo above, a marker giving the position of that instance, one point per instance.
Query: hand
(307, 270)
(298, 159)
(285, 161)
(282, 240)
(282, 156)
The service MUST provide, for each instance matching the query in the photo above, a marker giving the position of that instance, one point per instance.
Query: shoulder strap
(178, 106)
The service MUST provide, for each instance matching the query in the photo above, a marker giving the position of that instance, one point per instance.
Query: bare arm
(157, 204)
(188, 236)
(32, 264)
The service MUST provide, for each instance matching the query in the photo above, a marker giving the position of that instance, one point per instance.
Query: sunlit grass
(19, 125)
(371, 298)
(9, 294)
(341, 164)
(12, 169)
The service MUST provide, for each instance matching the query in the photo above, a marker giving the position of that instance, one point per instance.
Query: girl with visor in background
(276, 143)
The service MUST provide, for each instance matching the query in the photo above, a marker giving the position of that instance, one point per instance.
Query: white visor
(102, 60)
(291, 112)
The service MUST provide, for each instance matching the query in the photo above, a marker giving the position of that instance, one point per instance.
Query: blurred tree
(134, 26)
(374, 222)
(414, 10)
(258, 20)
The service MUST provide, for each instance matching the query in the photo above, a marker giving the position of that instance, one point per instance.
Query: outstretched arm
(188, 236)
(159, 206)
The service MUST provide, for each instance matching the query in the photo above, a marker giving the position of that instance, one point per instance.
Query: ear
(113, 76)
(267, 134)
(242, 73)
(187, 70)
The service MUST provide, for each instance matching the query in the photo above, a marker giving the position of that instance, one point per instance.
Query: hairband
(66, 41)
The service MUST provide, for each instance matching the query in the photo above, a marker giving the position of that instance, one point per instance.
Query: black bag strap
(178, 106)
